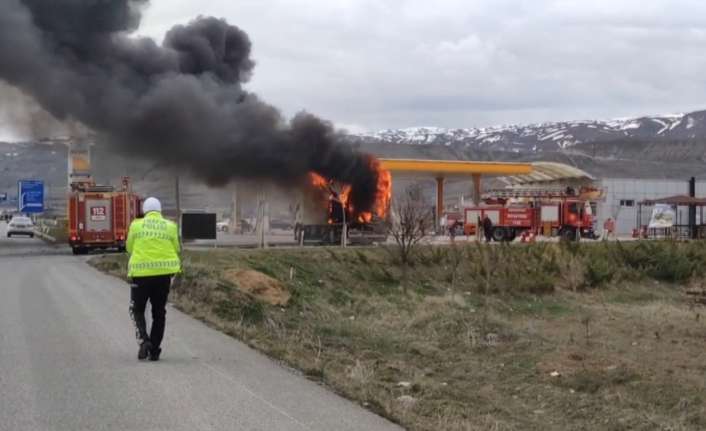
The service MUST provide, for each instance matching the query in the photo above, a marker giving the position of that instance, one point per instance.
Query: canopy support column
(476, 189)
(439, 200)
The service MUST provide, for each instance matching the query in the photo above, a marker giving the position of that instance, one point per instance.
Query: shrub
(671, 264)
(598, 272)
(506, 268)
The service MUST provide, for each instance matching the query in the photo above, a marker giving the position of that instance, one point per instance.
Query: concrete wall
(636, 190)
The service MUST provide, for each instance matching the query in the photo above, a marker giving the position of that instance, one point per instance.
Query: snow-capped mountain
(544, 137)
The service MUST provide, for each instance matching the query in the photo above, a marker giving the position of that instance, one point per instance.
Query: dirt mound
(259, 285)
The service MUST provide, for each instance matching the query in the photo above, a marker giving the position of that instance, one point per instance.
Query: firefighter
(453, 229)
(488, 228)
(608, 228)
(153, 245)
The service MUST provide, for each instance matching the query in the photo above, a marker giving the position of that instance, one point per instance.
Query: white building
(622, 196)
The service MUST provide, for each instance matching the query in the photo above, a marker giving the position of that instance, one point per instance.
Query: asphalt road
(68, 362)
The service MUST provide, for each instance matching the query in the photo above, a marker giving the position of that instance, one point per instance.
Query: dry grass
(260, 286)
(476, 338)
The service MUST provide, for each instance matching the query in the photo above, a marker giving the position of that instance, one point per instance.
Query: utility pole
(178, 204)
(344, 228)
(693, 233)
(235, 210)
(262, 223)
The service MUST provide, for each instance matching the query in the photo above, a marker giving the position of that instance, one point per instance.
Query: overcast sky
(372, 64)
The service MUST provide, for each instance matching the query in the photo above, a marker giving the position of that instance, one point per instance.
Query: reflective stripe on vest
(155, 264)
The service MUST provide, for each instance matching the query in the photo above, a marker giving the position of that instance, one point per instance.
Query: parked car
(20, 225)
(5, 216)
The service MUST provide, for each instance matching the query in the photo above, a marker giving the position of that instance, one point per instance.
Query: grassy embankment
(546, 336)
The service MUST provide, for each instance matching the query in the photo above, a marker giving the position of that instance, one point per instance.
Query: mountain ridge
(550, 136)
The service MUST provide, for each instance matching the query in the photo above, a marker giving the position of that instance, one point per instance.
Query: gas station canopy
(510, 173)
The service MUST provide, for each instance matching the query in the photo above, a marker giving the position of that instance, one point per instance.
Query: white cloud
(396, 63)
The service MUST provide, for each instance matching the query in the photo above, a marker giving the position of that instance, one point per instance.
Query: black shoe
(154, 353)
(145, 350)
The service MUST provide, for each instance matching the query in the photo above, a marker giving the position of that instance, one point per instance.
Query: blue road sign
(3, 197)
(31, 196)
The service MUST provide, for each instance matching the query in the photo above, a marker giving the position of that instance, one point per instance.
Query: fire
(318, 181)
(382, 196)
(384, 192)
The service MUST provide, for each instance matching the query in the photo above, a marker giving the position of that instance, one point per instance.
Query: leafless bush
(456, 256)
(411, 221)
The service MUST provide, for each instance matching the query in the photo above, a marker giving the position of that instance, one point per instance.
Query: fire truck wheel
(511, 235)
(568, 234)
(498, 234)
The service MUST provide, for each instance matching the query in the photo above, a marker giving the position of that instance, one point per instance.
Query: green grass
(633, 296)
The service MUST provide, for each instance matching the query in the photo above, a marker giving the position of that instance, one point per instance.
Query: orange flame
(382, 197)
(318, 181)
(384, 194)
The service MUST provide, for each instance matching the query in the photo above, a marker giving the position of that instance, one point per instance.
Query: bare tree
(410, 222)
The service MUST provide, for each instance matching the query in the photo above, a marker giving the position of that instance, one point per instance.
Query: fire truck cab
(570, 219)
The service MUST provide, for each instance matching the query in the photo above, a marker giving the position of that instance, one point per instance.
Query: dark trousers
(156, 290)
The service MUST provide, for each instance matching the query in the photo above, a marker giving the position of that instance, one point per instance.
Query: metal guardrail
(676, 232)
(44, 228)
(44, 234)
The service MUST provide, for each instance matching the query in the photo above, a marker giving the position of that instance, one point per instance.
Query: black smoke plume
(181, 102)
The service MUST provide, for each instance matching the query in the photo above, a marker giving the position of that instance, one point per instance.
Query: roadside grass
(536, 337)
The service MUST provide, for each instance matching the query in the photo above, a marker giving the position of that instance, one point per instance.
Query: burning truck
(325, 212)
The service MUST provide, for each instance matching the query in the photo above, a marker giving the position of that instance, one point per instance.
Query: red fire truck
(549, 213)
(100, 216)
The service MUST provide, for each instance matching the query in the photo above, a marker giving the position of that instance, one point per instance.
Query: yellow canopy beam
(445, 168)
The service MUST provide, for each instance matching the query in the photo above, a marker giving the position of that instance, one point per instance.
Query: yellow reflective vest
(153, 244)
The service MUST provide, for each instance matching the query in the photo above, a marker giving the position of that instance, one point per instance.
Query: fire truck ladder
(532, 192)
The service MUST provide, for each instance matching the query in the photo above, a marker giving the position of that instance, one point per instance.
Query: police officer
(153, 245)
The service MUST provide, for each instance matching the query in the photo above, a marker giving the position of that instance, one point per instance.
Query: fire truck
(564, 213)
(100, 216)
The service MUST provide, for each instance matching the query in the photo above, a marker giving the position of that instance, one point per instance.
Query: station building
(622, 197)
